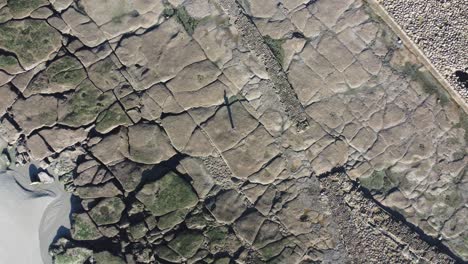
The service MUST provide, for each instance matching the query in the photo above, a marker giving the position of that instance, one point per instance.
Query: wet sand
(30, 217)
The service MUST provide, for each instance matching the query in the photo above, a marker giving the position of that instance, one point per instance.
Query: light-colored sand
(29, 218)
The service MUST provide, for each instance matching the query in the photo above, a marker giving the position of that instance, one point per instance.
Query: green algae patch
(84, 105)
(75, 255)
(167, 254)
(274, 249)
(105, 74)
(107, 211)
(276, 47)
(187, 243)
(431, 85)
(7, 61)
(112, 118)
(33, 41)
(22, 8)
(61, 75)
(83, 228)
(106, 257)
(10, 64)
(379, 182)
(137, 231)
(172, 219)
(216, 235)
(189, 23)
(168, 194)
(463, 123)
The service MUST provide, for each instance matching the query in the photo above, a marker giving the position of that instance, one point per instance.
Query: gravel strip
(440, 28)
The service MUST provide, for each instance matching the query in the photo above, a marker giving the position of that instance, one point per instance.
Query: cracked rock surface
(254, 131)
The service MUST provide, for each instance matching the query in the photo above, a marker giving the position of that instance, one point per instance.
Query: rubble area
(254, 131)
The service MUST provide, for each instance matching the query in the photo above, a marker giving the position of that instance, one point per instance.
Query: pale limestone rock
(248, 226)
(217, 42)
(305, 82)
(329, 11)
(37, 146)
(199, 145)
(333, 156)
(61, 138)
(335, 53)
(364, 139)
(106, 190)
(115, 18)
(45, 178)
(194, 76)
(316, 62)
(367, 32)
(220, 131)
(210, 95)
(356, 76)
(157, 55)
(129, 174)
(8, 97)
(202, 180)
(252, 154)
(148, 144)
(105, 74)
(179, 129)
(118, 141)
(292, 47)
(44, 113)
(263, 8)
(83, 27)
(352, 41)
(228, 206)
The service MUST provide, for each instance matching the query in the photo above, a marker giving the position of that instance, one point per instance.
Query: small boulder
(83, 228)
(44, 177)
(107, 211)
(106, 257)
(168, 194)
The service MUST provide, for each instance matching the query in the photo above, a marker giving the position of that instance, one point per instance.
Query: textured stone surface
(285, 131)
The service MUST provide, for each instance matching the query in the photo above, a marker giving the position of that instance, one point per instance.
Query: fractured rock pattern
(286, 131)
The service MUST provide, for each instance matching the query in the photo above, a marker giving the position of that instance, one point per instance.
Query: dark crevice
(395, 216)
(462, 78)
(398, 217)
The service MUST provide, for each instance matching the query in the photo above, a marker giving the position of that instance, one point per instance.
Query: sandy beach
(30, 216)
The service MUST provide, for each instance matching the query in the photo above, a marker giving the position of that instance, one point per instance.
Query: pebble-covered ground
(440, 28)
(222, 132)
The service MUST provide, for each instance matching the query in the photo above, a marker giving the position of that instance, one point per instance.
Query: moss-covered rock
(216, 235)
(223, 261)
(84, 105)
(276, 47)
(83, 228)
(274, 249)
(172, 219)
(106, 257)
(33, 41)
(187, 243)
(137, 231)
(199, 221)
(76, 255)
(61, 75)
(167, 254)
(105, 74)
(112, 118)
(107, 211)
(168, 194)
(189, 23)
(9, 63)
(378, 182)
(221, 240)
(22, 8)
